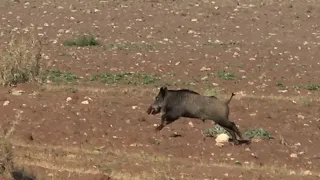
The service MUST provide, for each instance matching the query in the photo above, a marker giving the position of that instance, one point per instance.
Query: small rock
(215, 84)
(254, 155)
(6, 103)
(297, 144)
(16, 92)
(283, 91)
(85, 102)
(205, 69)
(222, 138)
(177, 63)
(191, 124)
(128, 121)
(219, 144)
(307, 172)
(88, 98)
(292, 172)
(69, 99)
(294, 155)
(204, 78)
(194, 20)
(300, 116)
(135, 145)
(134, 107)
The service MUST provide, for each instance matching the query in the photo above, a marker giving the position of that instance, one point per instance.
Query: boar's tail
(232, 94)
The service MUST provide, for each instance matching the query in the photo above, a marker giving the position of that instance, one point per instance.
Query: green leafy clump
(225, 75)
(250, 133)
(215, 131)
(56, 76)
(82, 41)
(257, 132)
(125, 78)
(312, 87)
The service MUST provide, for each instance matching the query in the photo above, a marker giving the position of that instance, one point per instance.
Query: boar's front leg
(166, 119)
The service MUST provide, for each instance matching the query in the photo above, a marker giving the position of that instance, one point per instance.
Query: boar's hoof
(157, 129)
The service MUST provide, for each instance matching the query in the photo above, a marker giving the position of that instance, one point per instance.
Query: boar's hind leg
(166, 119)
(236, 130)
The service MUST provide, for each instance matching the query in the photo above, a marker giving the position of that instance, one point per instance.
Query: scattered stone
(85, 102)
(222, 138)
(204, 78)
(17, 92)
(292, 172)
(191, 124)
(128, 121)
(307, 172)
(294, 155)
(136, 145)
(300, 116)
(219, 144)
(88, 98)
(283, 91)
(205, 69)
(134, 107)
(6, 103)
(69, 99)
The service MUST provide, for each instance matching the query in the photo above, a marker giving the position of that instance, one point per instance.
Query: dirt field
(266, 51)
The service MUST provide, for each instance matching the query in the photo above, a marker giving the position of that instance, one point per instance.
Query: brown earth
(269, 46)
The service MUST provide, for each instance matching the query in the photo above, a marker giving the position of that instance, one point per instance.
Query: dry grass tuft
(6, 164)
(20, 61)
(8, 168)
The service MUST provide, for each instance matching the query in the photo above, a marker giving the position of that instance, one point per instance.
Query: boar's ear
(163, 90)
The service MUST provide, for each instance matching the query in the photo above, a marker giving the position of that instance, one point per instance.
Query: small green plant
(57, 76)
(220, 43)
(82, 41)
(127, 78)
(225, 75)
(215, 131)
(130, 47)
(259, 132)
(106, 169)
(279, 84)
(214, 91)
(20, 60)
(307, 102)
(312, 87)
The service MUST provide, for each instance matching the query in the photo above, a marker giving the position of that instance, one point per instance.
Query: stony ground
(265, 51)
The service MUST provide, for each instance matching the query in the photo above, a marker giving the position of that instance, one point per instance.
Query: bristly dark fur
(184, 90)
(21, 174)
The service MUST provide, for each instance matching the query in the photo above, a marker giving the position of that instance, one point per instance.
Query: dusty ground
(272, 48)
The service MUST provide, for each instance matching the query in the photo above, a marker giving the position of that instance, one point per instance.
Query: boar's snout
(153, 109)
